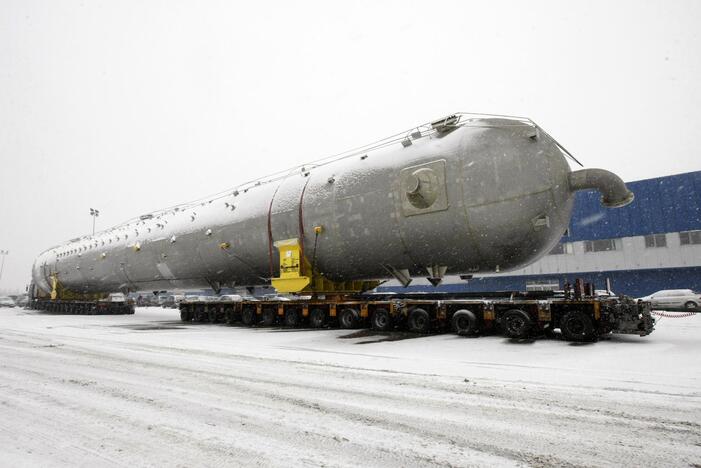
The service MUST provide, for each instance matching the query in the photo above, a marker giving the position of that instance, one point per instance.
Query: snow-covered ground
(147, 390)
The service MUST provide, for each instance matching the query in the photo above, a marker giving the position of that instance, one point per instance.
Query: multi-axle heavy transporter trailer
(578, 317)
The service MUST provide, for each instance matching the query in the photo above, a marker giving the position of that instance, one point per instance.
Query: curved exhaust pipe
(614, 192)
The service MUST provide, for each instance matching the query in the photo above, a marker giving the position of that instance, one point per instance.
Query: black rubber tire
(464, 322)
(515, 323)
(577, 326)
(248, 316)
(201, 315)
(348, 318)
(229, 315)
(691, 305)
(381, 320)
(419, 321)
(317, 318)
(267, 318)
(293, 317)
(185, 315)
(212, 315)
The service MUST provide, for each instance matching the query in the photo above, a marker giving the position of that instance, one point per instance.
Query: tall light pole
(3, 253)
(94, 213)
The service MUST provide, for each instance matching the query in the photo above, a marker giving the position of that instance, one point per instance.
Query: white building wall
(632, 256)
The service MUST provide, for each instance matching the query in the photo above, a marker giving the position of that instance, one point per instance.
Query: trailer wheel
(267, 317)
(213, 315)
(419, 321)
(201, 314)
(577, 326)
(248, 316)
(317, 318)
(292, 317)
(516, 323)
(349, 318)
(381, 320)
(464, 322)
(229, 315)
(185, 315)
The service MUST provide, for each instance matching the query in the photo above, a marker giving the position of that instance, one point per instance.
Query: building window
(655, 240)
(690, 237)
(602, 245)
(561, 248)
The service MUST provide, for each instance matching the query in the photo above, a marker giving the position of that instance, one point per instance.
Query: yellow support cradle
(61, 293)
(292, 278)
(295, 278)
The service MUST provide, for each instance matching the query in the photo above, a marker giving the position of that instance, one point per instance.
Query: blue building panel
(663, 204)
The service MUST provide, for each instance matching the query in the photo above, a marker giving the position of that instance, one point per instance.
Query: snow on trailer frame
(518, 316)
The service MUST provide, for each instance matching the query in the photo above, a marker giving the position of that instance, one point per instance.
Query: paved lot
(147, 390)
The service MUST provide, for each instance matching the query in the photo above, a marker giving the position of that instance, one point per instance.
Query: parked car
(146, 300)
(173, 301)
(6, 302)
(22, 300)
(674, 299)
(116, 297)
(161, 299)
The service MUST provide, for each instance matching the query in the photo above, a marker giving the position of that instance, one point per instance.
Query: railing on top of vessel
(428, 129)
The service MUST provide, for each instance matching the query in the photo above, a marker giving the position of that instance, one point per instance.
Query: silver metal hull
(490, 196)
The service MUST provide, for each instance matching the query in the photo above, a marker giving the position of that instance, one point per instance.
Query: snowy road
(147, 390)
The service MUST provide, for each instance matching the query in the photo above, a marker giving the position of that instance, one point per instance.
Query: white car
(173, 301)
(674, 299)
(6, 302)
(117, 297)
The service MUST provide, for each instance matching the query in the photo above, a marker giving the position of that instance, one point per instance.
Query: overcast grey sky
(132, 106)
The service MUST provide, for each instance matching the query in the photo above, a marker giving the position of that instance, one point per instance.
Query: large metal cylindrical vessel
(462, 195)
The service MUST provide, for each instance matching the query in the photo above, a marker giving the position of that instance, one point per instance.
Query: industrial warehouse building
(652, 244)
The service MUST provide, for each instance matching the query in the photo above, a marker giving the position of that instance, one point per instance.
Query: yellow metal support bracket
(296, 275)
(60, 292)
(292, 278)
(54, 286)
